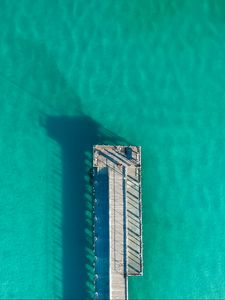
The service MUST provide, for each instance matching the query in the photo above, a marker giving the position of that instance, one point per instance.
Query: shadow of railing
(76, 136)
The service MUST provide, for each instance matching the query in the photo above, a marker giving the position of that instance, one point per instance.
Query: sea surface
(74, 73)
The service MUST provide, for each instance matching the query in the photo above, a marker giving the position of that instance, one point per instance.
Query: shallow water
(145, 72)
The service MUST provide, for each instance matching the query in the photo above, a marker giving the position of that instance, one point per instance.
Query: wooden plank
(123, 165)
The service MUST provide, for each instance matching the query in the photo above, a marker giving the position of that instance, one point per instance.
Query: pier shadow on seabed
(76, 137)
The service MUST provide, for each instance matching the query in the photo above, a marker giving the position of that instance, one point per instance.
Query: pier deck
(121, 167)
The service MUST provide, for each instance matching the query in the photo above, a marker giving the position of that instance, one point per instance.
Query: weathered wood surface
(123, 165)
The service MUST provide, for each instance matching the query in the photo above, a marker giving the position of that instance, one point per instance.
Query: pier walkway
(118, 219)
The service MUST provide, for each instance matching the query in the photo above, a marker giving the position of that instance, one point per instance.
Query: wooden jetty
(118, 219)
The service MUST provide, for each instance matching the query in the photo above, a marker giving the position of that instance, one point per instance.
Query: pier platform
(118, 219)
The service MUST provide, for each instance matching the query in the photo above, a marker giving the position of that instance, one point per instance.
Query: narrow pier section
(118, 281)
(118, 216)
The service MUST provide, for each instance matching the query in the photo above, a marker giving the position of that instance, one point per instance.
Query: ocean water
(145, 72)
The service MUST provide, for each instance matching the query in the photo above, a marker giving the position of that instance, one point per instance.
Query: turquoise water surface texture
(144, 72)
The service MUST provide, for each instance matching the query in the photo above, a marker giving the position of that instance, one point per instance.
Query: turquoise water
(74, 73)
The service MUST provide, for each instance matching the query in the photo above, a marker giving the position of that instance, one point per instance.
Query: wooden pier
(118, 219)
